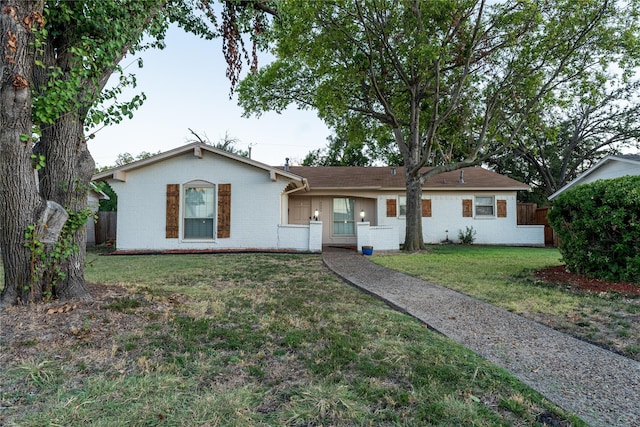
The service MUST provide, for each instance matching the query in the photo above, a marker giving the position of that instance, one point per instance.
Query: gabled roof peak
(627, 158)
(198, 149)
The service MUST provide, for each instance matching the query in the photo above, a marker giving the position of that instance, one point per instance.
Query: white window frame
(212, 217)
(352, 220)
(492, 205)
(402, 206)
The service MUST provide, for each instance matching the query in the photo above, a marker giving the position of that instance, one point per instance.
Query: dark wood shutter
(467, 208)
(173, 211)
(224, 210)
(391, 208)
(426, 208)
(502, 208)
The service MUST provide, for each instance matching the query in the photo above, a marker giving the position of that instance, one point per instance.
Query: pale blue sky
(186, 87)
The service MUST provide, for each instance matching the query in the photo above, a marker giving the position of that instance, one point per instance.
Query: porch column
(363, 234)
(315, 236)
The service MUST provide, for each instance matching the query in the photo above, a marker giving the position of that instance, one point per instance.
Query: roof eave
(377, 187)
(585, 174)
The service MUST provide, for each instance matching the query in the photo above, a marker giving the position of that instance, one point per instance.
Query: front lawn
(242, 340)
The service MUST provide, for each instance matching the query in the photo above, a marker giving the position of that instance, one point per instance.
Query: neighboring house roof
(99, 194)
(384, 178)
(632, 160)
(198, 149)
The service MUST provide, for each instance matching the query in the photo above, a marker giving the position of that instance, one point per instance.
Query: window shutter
(391, 208)
(502, 208)
(467, 208)
(426, 208)
(224, 210)
(173, 211)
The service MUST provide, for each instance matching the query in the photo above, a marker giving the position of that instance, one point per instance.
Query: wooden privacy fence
(106, 227)
(527, 214)
(531, 214)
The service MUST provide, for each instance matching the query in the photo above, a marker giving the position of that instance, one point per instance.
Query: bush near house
(598, 225)
(467, 236)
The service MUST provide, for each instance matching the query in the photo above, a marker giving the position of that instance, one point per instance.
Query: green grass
(256, 340)
(123, 304)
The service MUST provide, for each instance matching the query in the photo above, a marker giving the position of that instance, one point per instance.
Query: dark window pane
(195, 228)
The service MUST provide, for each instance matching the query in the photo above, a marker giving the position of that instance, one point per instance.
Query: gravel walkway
(599, 386)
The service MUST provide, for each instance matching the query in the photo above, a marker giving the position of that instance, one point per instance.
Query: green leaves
(80, 47)
(38, 161)
(598, 225)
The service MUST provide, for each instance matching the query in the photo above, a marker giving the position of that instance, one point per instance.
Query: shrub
(468, 236)
(598, 225)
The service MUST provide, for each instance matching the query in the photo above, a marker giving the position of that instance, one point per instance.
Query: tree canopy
(567, 140)
(352, 151)
(446, 80)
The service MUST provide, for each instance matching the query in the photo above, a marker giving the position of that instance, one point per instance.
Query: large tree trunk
(20, 204)
(65, 179)
(66, 176)
(412, 156)
(29, 224)
(413, 240)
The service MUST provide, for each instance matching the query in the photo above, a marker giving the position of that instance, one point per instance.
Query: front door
(344, 217)
(300, 210)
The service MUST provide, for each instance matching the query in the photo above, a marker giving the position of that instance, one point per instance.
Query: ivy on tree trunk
(66, 181)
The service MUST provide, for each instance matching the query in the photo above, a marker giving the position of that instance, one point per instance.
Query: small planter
(367, 250)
